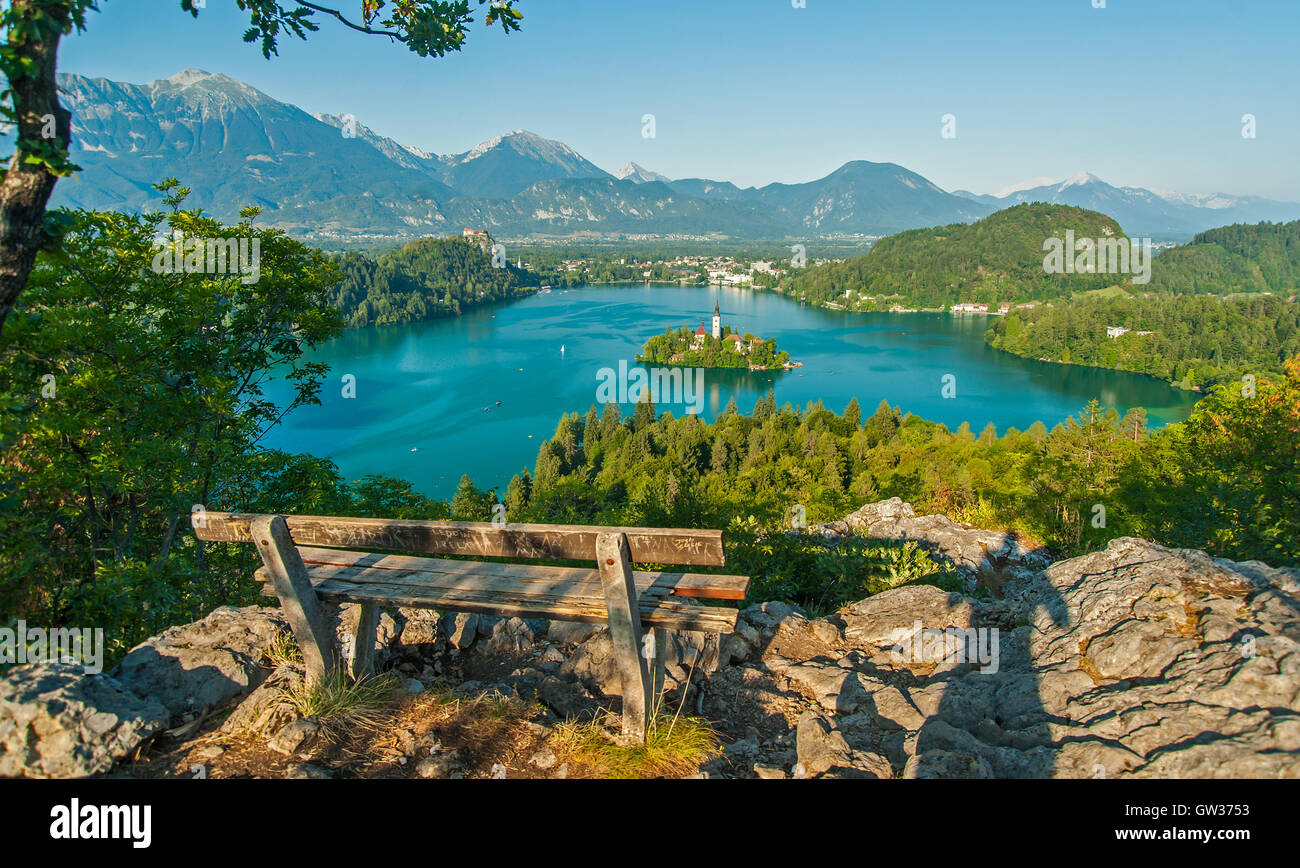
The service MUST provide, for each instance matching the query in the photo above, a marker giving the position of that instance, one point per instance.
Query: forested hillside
(999, 258)
(1196, 337)
(1222, 481)
(1193, 341)
(1264, 257)
(428, 278)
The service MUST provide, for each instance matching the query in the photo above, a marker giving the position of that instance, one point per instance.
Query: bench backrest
(473, 538)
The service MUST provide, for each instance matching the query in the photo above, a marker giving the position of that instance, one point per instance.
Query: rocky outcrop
(992, 556)
(56, 721)
(204, 665)
(1161, 662)
(266, 710)
(1136, 661)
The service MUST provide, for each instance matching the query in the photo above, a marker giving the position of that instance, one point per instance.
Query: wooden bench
(310, 560)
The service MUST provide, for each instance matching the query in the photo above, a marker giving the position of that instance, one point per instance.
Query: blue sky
(1143, 92)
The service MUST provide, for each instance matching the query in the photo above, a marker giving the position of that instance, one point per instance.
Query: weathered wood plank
(541, 587)
(654, 611)
(298, 599)
(524, 578)
(613, 557)
(481, 539)
(469, 581)
(698, 585)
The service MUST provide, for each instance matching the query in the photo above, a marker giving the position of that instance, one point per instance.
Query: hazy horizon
(756, 95)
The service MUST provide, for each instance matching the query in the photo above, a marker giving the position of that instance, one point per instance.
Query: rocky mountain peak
(191, 75)
(638, 174)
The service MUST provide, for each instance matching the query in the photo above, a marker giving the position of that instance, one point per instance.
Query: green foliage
(31, 31)
(1228, 479)
(127, 396)
(1264, 257)
(429, 278)
(1194, 341)
(1223, 481)
(803, 569)
(999, 258)
(471, 504)
(426, 27)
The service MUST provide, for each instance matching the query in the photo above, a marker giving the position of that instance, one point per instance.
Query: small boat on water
(498, 403)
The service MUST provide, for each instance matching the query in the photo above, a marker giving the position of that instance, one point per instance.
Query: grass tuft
(342, 705)
(674, 747)
(283, 651)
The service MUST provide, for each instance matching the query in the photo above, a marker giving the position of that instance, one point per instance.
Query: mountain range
(330, 177)
(1165, 216)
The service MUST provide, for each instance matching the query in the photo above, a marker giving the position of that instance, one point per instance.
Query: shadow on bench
(308, 560)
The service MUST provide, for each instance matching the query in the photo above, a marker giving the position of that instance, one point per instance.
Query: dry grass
(342, 705)
(283, 651)
(674, 747)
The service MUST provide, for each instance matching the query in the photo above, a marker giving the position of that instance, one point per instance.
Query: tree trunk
(26, 188)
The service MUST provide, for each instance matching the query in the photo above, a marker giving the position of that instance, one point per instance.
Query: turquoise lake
(433, 387)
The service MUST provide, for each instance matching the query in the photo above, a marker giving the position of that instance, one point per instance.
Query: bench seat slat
(655, 611)
(702, 586)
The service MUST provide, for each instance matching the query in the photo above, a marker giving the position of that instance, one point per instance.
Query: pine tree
(471, 504)
(644, 414)
(853, 413)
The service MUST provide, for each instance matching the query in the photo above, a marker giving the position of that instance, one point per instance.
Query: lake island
(722, 347)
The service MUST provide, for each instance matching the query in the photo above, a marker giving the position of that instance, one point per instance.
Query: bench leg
(363, 645)
(615, 562)
(297, 597)
(657, 671)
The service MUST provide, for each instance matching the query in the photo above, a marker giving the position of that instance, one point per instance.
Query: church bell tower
(717, 322)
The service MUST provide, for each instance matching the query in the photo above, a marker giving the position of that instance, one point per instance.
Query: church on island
(732, 340)
(718, 347)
